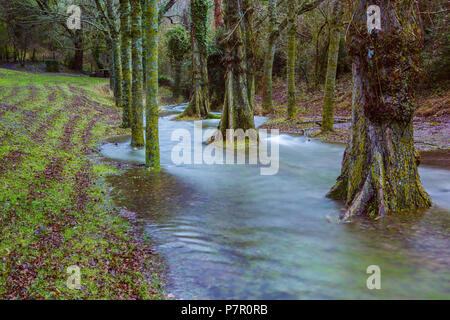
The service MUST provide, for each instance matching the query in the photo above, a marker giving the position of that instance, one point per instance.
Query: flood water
(227, 232)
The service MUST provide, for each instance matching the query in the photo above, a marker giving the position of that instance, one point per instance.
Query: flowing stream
(227, 232)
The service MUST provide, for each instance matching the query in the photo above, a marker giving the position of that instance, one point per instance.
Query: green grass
(54, 208)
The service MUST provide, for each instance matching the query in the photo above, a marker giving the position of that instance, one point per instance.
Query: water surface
(227, 232)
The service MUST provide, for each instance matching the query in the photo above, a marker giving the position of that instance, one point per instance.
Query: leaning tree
(379, 170)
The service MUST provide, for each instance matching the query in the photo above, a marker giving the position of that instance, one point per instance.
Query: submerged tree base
(182, 117)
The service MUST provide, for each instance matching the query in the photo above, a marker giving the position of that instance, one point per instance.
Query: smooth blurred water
(226, 232)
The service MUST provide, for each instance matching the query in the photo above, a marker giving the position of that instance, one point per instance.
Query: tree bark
(333, 55)
(117, 62)
(79, 52)
(218, 17)
(250, 54)
(198, 106)
(126, 62)
(137, 130)
(118, 77)
(292, 29)
(268, 60)
(379, 169)
(176, 93)
(237, 111)
(152, 158)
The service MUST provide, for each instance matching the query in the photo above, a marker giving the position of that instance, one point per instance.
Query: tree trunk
(126, 62)
(137, 130)
(268, 61)
(379, 170)
(250, 55)
(151, 127)
(199, 103)
(176, 92)
(333, 55)
(144, 39)
(118, 77)
(292, 29)
(330, 82)
(112, 73)
(237, 111)
(218, 17)
(79, 52)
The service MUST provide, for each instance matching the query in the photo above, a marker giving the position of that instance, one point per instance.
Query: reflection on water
(227, 232)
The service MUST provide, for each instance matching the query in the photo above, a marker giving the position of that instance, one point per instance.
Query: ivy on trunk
(379, 170)
(237, 110)
(199, 103)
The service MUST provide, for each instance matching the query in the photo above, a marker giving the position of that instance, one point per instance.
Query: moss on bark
(125, 37)
(198, 106)
(152, 159)
(269, 56)
(137, 130)
(237, 111)
(292, 29)
(333, 54)
(379, 170)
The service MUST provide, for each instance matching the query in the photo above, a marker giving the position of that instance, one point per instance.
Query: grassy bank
(54, 208)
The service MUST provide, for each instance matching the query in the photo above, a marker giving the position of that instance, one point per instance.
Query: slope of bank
(55, 211)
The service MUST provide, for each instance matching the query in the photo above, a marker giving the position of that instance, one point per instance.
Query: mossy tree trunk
(218, 16)
(379, 169)
(137, 130)
(333, 54)
(151, 128)
(291, 31)
(269, 56)
(117, 63)
(176, 92)
(144, 39)
(250, 54)
(125, 37)
(78, 58)
(198, 106)
(237, 111)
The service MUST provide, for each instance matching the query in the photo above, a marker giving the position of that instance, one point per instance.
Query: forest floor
(55, 210)
(431, 122)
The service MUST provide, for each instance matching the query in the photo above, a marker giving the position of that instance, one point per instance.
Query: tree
(291, 31)
(125, 32)
(237, 111)
(250, 54)
(137, 130)
(275, 29)
(177, 45)
(218, 17)
(333, 54)
(379, 169)
(151, 128)
(270, 54)
(198, 106)
(109, 16)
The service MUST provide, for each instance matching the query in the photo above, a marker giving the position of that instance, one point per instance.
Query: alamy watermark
(74, 279)
(374, 281)
(74, 20)
(373, 18)
(237, 147)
